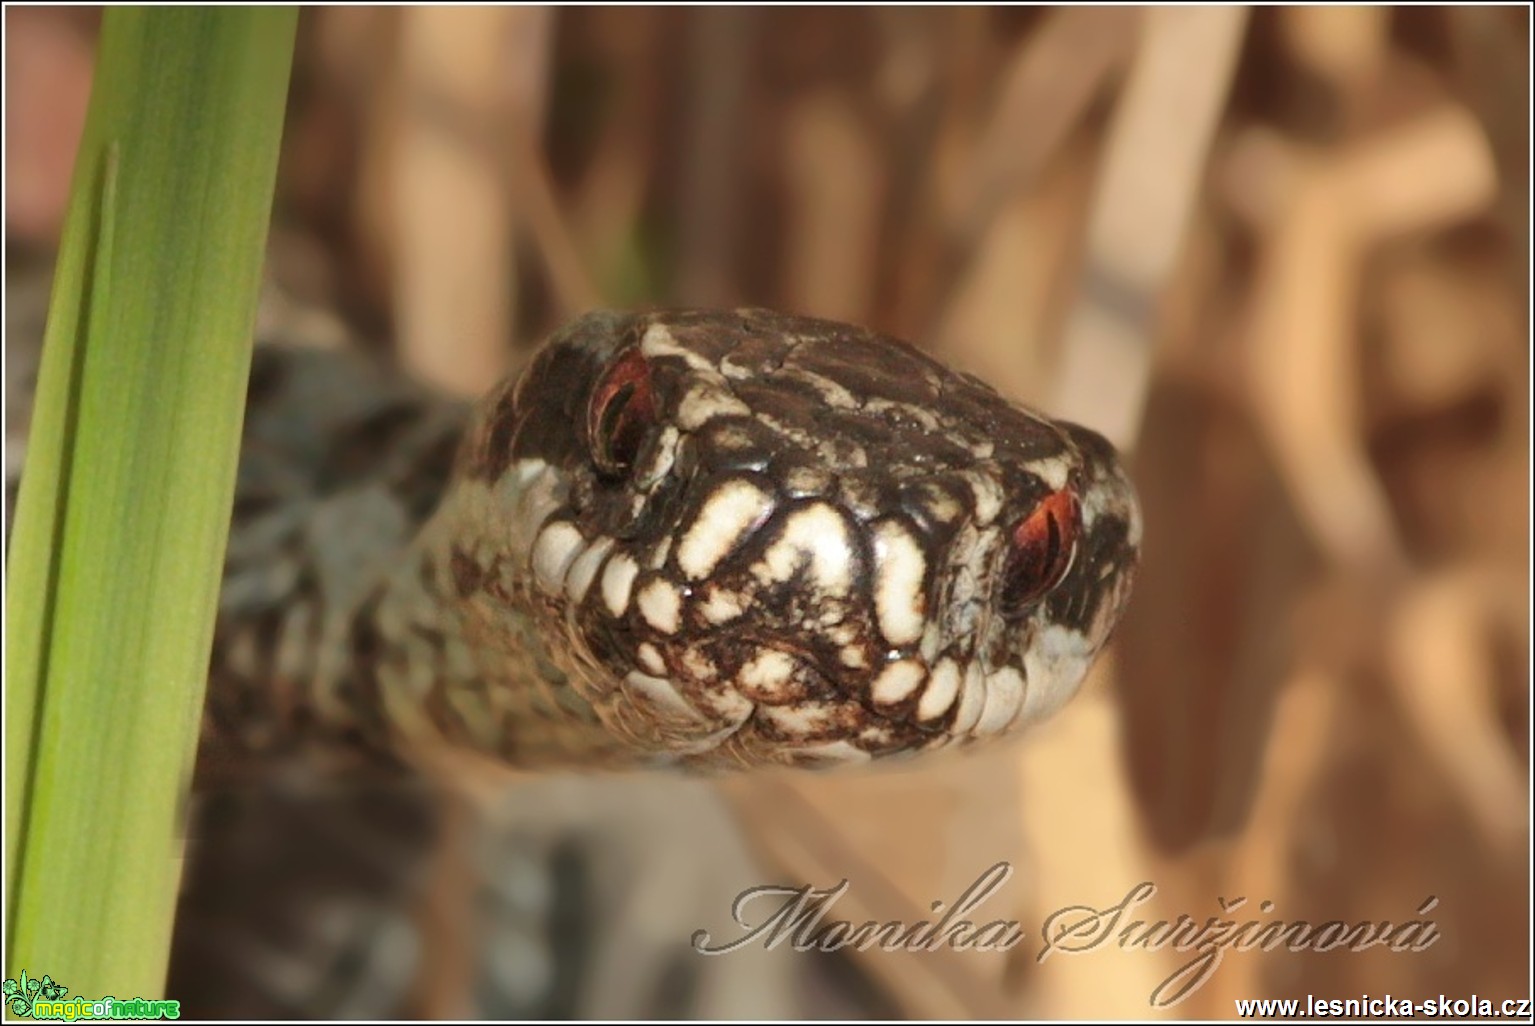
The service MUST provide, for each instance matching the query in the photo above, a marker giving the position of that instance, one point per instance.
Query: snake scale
(702, 539)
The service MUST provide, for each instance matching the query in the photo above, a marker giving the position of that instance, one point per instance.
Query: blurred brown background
(1280, 255)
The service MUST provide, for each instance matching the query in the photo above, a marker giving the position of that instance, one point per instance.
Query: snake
(715, 541)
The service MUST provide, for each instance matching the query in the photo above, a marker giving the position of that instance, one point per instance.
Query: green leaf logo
(19, 994)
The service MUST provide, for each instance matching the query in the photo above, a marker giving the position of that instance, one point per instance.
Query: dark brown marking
(466, 573)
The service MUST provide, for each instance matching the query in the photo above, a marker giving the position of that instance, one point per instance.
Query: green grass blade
(123, 514)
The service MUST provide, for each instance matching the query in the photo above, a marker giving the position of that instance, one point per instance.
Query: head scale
(773, 539)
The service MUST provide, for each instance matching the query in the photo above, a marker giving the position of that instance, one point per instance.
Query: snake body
(713, 540)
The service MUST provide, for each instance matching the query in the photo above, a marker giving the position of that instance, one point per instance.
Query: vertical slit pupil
(621, 432)
(621, 412)
(1043, 545)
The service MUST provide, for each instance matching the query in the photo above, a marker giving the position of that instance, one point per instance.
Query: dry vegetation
(1280, 255)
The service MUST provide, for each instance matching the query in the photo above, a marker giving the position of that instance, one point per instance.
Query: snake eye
(621, 412)
(1044, 545)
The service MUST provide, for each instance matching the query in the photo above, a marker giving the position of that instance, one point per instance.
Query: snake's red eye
(1043, 546)
(621, 412)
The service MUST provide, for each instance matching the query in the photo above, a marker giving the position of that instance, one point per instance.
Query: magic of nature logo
(28, 997)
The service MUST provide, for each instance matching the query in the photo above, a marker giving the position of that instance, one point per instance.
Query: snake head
(751, 538)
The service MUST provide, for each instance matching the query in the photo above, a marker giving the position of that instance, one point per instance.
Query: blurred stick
(1346, 47)
(1303, 358)
(1047, 89)
(445, 914)
(1303, 377)
(1048, 86)
(1152, 173)
(718, 64)
(1093, 862)
(922, 52)
(1001, 317)
(1493, 57)
(607, 202)
(574, 290)
(795, 822)
(1439, 659)
(836, 190)
(48, 57)
(1295, 766)
(463, 70)
(1431, 173)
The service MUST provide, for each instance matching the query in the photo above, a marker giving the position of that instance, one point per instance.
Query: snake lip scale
(713, 540)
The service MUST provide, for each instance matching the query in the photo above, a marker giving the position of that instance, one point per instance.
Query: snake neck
(366, 596)
(341, 467)
(442, 658)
